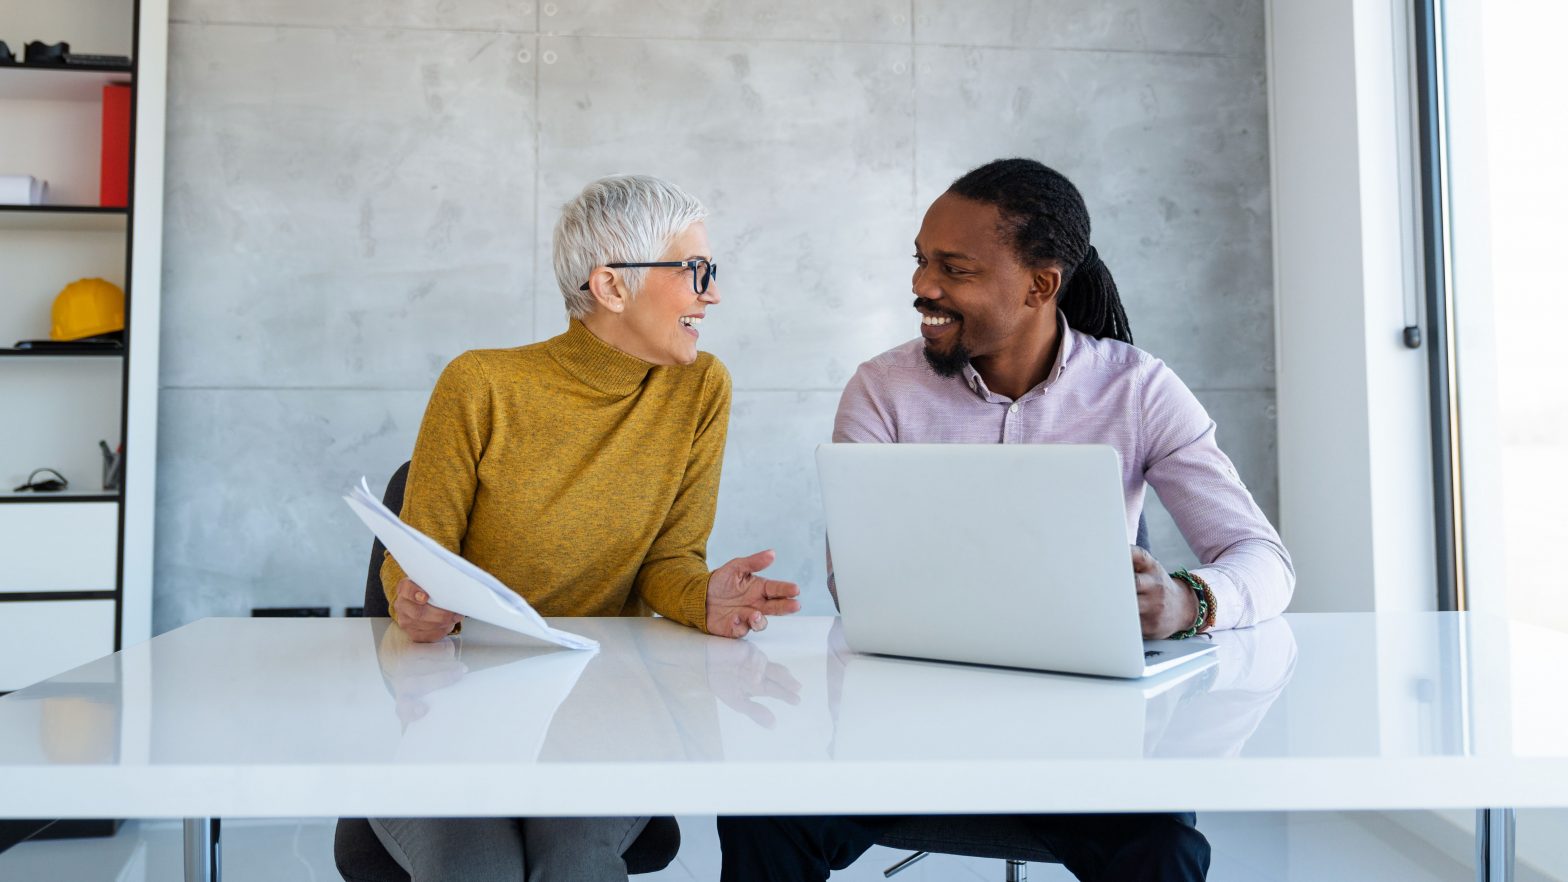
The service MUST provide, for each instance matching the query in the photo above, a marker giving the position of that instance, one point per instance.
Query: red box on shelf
(114, 188)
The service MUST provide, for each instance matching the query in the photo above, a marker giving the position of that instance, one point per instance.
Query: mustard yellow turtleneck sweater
(583, 478)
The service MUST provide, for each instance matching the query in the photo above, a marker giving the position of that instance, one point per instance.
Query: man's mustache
(928, 305)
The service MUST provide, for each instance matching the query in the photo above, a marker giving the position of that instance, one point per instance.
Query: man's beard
(951, 363)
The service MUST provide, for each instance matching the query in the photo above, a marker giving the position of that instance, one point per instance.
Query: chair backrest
(375, 597)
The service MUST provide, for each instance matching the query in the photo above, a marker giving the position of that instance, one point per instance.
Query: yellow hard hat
(87, 308)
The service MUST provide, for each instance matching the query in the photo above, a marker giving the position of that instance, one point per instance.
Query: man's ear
(609, 292)
(1044, 284)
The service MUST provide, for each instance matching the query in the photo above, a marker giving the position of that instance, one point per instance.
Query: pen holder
(113, 465)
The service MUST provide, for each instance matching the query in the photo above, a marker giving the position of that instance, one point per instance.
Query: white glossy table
(345, 717)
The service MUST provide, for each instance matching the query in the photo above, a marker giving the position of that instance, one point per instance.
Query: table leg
(203, 852)
(1494, 845)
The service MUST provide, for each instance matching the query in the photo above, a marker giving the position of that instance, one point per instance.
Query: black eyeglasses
(702, 271)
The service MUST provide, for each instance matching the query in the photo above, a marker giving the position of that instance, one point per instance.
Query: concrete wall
(359, 190)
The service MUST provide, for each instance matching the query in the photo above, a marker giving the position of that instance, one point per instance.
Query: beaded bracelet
(1203, 593)
(1208, 595)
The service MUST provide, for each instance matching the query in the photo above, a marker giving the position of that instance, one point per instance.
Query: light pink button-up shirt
(1099, 392)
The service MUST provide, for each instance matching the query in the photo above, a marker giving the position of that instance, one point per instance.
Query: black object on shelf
(79, 59)
(6, 55)
(91, 344)
(112, 343)
(291, 612)
(39, 52)
(47, 485)
(60, 55)
(113, 466)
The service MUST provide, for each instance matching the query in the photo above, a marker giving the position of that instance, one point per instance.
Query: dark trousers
(1123, 848)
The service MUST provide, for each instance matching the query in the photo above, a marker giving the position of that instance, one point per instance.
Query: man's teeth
(935, 320)
(691, 321)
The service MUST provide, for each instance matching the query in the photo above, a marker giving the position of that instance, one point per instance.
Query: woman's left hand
(740, 601)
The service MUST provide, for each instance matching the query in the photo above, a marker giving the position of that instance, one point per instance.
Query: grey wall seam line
(1106, 50)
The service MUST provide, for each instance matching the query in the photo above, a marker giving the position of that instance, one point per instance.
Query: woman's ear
(608, 291)
(1044, 285)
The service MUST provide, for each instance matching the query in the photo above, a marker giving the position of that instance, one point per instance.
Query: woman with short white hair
(583, 472)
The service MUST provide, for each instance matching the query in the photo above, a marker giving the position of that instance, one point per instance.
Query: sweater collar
(596, 362)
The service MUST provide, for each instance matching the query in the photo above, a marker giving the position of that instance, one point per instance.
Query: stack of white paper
(22, 190)
(452, 582)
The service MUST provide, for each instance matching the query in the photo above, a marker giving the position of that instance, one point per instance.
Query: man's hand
(423, 622)
(1165, 606)
(740, 601)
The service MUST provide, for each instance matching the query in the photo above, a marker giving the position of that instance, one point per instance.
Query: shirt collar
(1064, 352)
(596, 362)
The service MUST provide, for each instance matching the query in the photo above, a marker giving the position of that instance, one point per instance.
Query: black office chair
(1003, 838)
(357, 852)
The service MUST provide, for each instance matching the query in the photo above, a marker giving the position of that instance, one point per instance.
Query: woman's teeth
(691, 321)
(935, 320)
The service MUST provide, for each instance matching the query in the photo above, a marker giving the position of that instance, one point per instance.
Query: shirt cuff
(1235, 607)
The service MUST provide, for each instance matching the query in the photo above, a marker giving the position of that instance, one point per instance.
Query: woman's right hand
(423, 622)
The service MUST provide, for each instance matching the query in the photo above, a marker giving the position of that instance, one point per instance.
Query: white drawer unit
(58, 546)
(41, 638)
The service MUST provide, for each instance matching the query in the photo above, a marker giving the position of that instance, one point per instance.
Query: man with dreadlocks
(1025, 341)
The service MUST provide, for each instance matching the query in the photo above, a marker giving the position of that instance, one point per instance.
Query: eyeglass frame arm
(712, 273)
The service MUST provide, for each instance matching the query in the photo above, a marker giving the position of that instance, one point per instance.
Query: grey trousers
(510, 849)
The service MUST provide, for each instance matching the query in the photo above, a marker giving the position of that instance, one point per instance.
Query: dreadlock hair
(1045, 216)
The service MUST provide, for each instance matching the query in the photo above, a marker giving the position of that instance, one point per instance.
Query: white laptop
(1014, 555)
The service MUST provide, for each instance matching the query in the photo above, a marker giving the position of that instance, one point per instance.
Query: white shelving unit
(76, 567)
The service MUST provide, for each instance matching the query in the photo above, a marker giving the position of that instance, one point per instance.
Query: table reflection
(358, 691)
(443, 691)
(1220, 714)
(650, 693)
(892, 708)
(658, 692)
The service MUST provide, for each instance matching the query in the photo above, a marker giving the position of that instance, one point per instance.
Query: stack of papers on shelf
(452, 582)
(22, 190)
